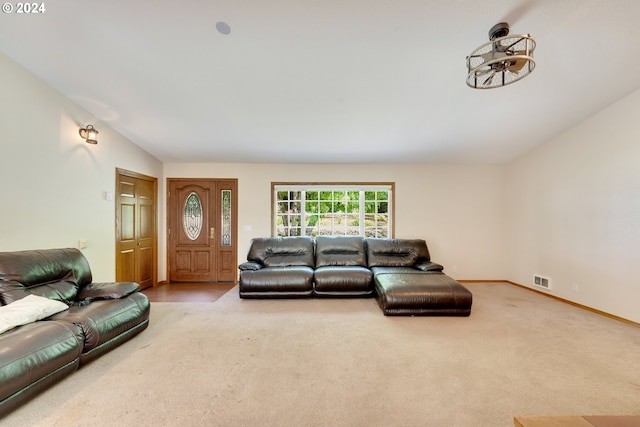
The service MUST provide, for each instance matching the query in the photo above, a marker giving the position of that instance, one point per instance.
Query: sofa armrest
(250, 266)
(107, 290)
(429, 266)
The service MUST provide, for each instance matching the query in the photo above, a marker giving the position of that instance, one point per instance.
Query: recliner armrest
(250, 266)
(429, 266)
(107, 290)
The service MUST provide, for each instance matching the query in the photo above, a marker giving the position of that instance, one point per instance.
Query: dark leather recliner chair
(341, 267)
(399, 256)
(278, 267)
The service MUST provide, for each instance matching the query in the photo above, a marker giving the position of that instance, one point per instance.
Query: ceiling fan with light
(505, 59)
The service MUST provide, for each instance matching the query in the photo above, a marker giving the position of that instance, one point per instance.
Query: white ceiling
(318, 81)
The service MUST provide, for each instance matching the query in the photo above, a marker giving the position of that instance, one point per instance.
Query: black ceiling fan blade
(519, 11)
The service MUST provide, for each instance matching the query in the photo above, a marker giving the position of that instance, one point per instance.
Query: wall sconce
(89, 134)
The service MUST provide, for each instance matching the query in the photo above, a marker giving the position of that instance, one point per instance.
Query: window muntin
(332, 209)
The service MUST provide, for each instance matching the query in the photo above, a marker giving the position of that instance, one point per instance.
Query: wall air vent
(541, 282)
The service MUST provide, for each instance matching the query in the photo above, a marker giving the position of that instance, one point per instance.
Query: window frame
(333, 186)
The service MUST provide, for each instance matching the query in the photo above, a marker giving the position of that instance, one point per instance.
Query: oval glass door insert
(192, 216)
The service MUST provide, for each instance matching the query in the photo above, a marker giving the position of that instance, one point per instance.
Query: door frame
(169, 220)
(131, 174)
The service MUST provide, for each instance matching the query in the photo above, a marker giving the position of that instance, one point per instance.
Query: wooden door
(136, 231)
(202, 230)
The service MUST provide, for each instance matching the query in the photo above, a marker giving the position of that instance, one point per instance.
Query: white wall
(53, 183)
(458, 210)
(573, 212)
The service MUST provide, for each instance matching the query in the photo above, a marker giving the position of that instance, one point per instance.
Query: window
(332, 209)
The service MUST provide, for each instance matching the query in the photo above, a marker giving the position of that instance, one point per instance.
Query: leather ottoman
(421, 294)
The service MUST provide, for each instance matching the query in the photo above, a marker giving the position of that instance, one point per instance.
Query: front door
(202, 230)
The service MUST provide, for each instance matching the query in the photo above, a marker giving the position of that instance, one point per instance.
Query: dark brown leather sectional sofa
(398, 272)
(100, 317)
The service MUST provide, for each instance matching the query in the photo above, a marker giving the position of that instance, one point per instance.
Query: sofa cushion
(396, 252)
(338, 280)
(340, 251)
(56, 274)
(107, 320)
(33, 357)
(28, 310)
(282, 251)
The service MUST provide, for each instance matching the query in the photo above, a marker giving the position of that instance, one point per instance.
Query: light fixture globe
(89, 134)
(502, 61)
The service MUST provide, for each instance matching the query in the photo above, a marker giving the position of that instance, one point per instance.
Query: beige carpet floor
(340, 362)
